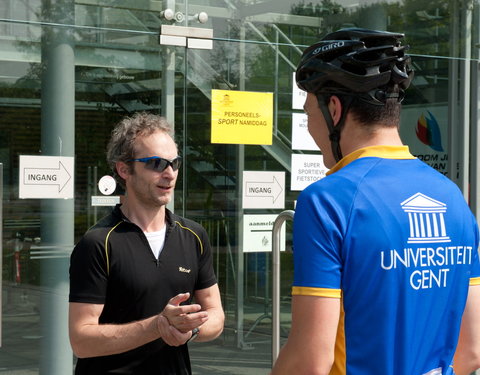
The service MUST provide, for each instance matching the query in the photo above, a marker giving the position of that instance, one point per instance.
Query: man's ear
(123, 169)
(335, 108)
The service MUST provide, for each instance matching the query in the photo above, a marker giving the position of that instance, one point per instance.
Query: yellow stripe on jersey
(106, 246)
(475, 281)
(196, 235)
(317, 292)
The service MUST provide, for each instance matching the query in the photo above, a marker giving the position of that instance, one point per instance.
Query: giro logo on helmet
(328, 47)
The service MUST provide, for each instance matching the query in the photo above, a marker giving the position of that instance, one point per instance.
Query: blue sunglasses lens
(160, 164)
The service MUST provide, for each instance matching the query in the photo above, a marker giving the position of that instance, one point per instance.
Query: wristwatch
(195, 333)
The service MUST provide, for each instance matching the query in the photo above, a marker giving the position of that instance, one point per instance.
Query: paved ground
(227, 359)
(22, 340)
(20, 352)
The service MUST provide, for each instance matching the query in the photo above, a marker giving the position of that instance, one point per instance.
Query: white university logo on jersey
(426, 217)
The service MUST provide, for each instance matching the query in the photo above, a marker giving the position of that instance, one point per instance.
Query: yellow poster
(242, 117)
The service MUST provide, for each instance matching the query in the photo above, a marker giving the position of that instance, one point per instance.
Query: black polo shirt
(113, 265)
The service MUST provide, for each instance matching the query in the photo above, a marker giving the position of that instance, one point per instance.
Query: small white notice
(46, 177)
(306, 169)
(298, 96)
(263, 189)
(105, 200)
(301, 138)
(257, 233)
(107, 185)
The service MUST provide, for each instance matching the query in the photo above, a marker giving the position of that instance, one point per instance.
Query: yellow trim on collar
(385, 152)
(317, 292)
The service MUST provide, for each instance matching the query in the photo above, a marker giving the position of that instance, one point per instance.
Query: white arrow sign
(263, 189)
(46, 177)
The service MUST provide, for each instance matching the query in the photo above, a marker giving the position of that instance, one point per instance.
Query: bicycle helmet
(354, 62)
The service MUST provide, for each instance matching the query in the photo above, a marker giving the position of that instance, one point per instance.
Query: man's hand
(182, 317)
(170, 334)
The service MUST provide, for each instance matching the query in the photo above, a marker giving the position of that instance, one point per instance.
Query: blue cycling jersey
(397, 242)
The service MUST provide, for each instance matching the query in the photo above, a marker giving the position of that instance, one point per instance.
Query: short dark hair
(371, 115)
(121, 146)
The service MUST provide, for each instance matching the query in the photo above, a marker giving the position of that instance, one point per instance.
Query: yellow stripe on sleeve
(475, 281)
(317, 292)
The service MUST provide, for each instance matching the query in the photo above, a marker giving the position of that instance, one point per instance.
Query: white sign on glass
(257, 233)
(298, 96)
(301, 138)
(107, 185)
(105, 200)
(306, 169)
(263, 189)
(45, 177)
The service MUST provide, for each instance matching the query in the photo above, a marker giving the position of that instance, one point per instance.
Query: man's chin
(163, 201)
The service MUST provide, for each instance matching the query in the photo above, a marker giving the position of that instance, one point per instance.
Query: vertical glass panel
(112, 79)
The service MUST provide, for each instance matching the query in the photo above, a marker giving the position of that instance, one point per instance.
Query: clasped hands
(175, 322)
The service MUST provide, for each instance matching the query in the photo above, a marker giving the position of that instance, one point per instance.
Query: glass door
(244, 57)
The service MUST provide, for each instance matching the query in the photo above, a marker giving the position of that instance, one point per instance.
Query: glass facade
(70, 69)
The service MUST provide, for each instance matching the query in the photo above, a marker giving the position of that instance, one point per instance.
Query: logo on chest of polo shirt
(184, 270)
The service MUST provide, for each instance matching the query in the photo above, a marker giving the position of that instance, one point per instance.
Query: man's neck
(149, 219)
(355, 137)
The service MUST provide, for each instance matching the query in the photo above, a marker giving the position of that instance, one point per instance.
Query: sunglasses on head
(156, 163)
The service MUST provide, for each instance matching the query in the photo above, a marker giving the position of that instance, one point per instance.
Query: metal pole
(240, 285)
(57, 216)
(168, 95)
(453, 109)
(277, 225)
(475, 119)
(474, 198)
(1, 247)
(475, 183)
(459, 114)
(464, 114)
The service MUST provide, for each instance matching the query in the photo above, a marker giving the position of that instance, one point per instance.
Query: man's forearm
(213, 327)
(210, 302)
(93, 340)
(289, 362)
(283, 364)
(464, 366)
(467, 355)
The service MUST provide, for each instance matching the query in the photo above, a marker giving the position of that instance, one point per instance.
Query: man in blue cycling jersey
(385, 247)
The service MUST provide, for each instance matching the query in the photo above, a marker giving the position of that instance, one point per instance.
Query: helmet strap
(334, 130)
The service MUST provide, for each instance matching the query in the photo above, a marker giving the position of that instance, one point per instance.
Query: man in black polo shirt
(134, 274)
